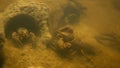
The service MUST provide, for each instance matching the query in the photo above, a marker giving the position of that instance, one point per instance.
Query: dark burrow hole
(21, 21)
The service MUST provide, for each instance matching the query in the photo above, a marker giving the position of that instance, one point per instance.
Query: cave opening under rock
(21, 21)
